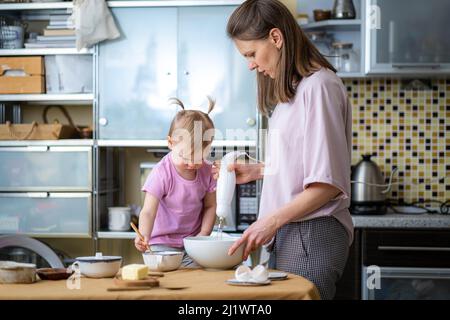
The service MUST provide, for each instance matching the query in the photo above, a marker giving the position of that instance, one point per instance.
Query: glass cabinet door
(408, 36)
(409, 284)
(44, 214)
(209, 64)
(137, 74)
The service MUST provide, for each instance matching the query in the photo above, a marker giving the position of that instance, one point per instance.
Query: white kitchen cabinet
(43, 214)
(209, 64)
(45, 168)
(168, 52)
(137, 74)
(407, 37)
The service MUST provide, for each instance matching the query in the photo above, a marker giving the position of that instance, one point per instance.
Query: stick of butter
(134, 272)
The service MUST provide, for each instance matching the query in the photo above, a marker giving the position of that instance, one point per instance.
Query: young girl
(180, 199)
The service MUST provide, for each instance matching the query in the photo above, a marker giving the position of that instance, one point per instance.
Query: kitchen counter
(404, 221)
(201, 285)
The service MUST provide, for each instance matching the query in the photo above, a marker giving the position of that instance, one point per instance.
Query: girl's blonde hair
(253, 20)
(187, 119)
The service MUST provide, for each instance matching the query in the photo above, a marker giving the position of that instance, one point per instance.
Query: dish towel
(93, 23)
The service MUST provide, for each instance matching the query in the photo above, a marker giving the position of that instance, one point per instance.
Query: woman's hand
(259, 233)
(142, 246)
(245, 172)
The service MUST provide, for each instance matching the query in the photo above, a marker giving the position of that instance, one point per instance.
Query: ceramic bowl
(54, 273)
(163, 260)
(99, 266)
(320, 15)
(211, 252)
(14, 272)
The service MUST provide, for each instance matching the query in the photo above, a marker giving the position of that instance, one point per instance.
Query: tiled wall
(409, 129)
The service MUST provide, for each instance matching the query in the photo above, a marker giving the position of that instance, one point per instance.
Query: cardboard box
(22, 75)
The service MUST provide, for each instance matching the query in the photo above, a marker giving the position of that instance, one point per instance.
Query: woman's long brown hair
(253, 20)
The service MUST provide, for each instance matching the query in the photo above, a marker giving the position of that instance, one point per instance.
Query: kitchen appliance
(343, 9)
(246, 205)
(226, 184)
(405, 265)
(368, 188)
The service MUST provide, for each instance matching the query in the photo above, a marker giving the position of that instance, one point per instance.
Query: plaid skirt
(316, 249)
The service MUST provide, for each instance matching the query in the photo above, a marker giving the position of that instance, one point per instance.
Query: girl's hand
(142, 246)
(259, 233)
(245, 172)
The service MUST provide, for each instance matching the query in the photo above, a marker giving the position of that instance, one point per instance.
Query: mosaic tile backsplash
(409, 129)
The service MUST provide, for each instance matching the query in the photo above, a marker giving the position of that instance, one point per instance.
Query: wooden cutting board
(146, 282)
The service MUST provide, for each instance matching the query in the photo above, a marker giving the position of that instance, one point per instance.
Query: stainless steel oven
(406, 265)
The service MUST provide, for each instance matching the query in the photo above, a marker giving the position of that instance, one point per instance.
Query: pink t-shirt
(309, 140)
(180, 207)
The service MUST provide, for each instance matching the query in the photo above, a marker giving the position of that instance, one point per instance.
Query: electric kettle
(368, 187)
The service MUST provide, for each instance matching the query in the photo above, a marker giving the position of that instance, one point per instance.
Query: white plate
(277, 275)
(235, 282)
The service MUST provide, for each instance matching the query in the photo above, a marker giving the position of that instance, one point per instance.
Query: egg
(243, 273)
(259, 273)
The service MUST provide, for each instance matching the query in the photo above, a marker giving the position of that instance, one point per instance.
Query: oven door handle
(399, 248)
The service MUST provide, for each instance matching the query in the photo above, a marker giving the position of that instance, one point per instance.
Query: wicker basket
(37, 131)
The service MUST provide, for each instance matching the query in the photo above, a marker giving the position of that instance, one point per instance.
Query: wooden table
(202, 285)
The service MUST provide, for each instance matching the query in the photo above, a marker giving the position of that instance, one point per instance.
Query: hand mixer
(225, 187)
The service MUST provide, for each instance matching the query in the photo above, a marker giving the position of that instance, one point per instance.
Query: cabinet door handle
(416, 65)
(186, 72)
(103, 121)
(251, 122)
(399, 248)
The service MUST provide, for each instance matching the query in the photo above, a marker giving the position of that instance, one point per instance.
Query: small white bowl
(163, 260)
(99, 266)
(211, 252)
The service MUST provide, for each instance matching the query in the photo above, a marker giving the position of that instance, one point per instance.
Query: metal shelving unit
(163, 143)
(335, 25)
(346, 75)
(36, 6)
(116, 234)
(69, 4)
(43, 51)
(60, 98)
(63, 142)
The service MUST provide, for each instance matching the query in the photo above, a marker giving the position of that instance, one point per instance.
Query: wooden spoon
(140, 235)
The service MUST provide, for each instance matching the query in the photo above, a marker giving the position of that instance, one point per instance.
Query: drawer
(46, 214)
(407, 248)
(45, 168)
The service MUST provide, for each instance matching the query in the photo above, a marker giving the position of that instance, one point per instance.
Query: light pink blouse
(309, 140)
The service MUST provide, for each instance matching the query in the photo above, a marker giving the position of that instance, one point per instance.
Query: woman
(304, 205)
